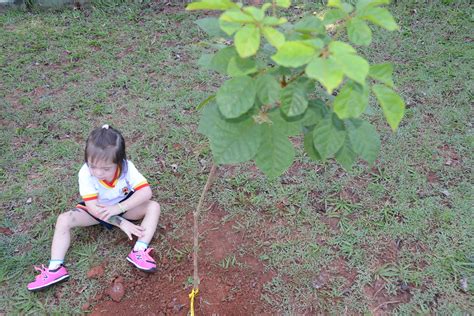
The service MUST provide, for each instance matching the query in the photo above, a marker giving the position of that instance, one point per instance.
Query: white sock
(54, 264)
(140, 245)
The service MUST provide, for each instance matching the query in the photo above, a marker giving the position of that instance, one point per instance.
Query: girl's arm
(128, 227)
(138, 197)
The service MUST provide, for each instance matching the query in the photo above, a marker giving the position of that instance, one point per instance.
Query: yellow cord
(193, 294)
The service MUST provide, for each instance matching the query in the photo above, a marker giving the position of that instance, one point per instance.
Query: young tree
(277, 72)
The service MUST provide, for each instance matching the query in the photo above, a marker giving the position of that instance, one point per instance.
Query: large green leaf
(339, 48)
(392, 104)
(211, 27)
(283, 3)
(293, 54)
(276, 153)
(351, 101)
(326, 71)
(211, 5)
(333, 16)
(221, 59)
(247, 40)
(230, 142)
(232, 21)
(359, 32)
(241, 66)
(361, 4)
(383, 73)
(294, 99)
(353, 66)
(316, 111)
(289, 128)
(310, 24)
(268, 89)
(309, 147)
(346, 155)
(379, 16)
(273, 36)
(236, 96)
(256, 13)
(364, 139)
(329, 135)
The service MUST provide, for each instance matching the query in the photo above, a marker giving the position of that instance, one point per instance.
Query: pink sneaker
(142, 260)
(48, 277)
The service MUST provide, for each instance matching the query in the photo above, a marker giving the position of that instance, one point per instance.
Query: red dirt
(232, 291)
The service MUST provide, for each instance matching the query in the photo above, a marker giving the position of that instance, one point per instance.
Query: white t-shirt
(110, 193)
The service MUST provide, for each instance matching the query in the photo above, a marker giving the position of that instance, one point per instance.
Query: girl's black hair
(105, 144)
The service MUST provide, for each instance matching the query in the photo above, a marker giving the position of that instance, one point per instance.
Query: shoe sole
(140, 268)
(59, 280)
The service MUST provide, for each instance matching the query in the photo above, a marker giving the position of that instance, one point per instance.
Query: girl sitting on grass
(114, 192)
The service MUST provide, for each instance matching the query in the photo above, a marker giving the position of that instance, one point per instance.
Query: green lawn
(403, 227)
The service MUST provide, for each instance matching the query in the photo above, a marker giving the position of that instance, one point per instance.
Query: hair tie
(106, 126)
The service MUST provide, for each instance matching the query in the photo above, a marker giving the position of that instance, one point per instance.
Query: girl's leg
(150, 212)
(62, 231)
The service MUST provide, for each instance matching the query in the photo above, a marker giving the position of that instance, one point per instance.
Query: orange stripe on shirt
(90, 197)
(141, 186)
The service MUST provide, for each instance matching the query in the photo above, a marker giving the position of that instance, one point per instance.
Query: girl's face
(103, 170)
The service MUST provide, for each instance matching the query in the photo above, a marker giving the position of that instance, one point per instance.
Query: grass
(332, 238)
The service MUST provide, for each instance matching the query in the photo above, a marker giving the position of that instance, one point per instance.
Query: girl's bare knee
(155, 207)
(64, 220)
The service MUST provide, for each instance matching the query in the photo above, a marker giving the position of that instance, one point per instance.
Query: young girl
(114, 192)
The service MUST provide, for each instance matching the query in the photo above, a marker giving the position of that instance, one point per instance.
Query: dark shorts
(82, 206)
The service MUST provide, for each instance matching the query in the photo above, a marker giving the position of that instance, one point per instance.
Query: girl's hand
(108, 211)
(131, 229)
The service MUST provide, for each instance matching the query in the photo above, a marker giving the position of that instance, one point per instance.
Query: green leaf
(359, 32)
(294, 99)
(361, 4)
(221, 59)
(230, 142)
(326, 71)
(236, 96)
(276, 152)
(205, 61)
(211, 5)
(309, 147)
(339, 48)
(333, 16)
(273, 21)
(316, 43)
(310, 24)
(351, 100)
(347, 7)
(329, 135)
(273, 36)
(231, 21)
(364, 139)
(316, 111)
(247, 40)
(241, 66)
(392, 105)
(211, 27)
(256, 13)
(379, 16)
(293, 54)
(229, 27)
(268, 89)
(289, 128)
(383, 73)
(353, 66)
(335, 4)
(283, 3)
(346, 155)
